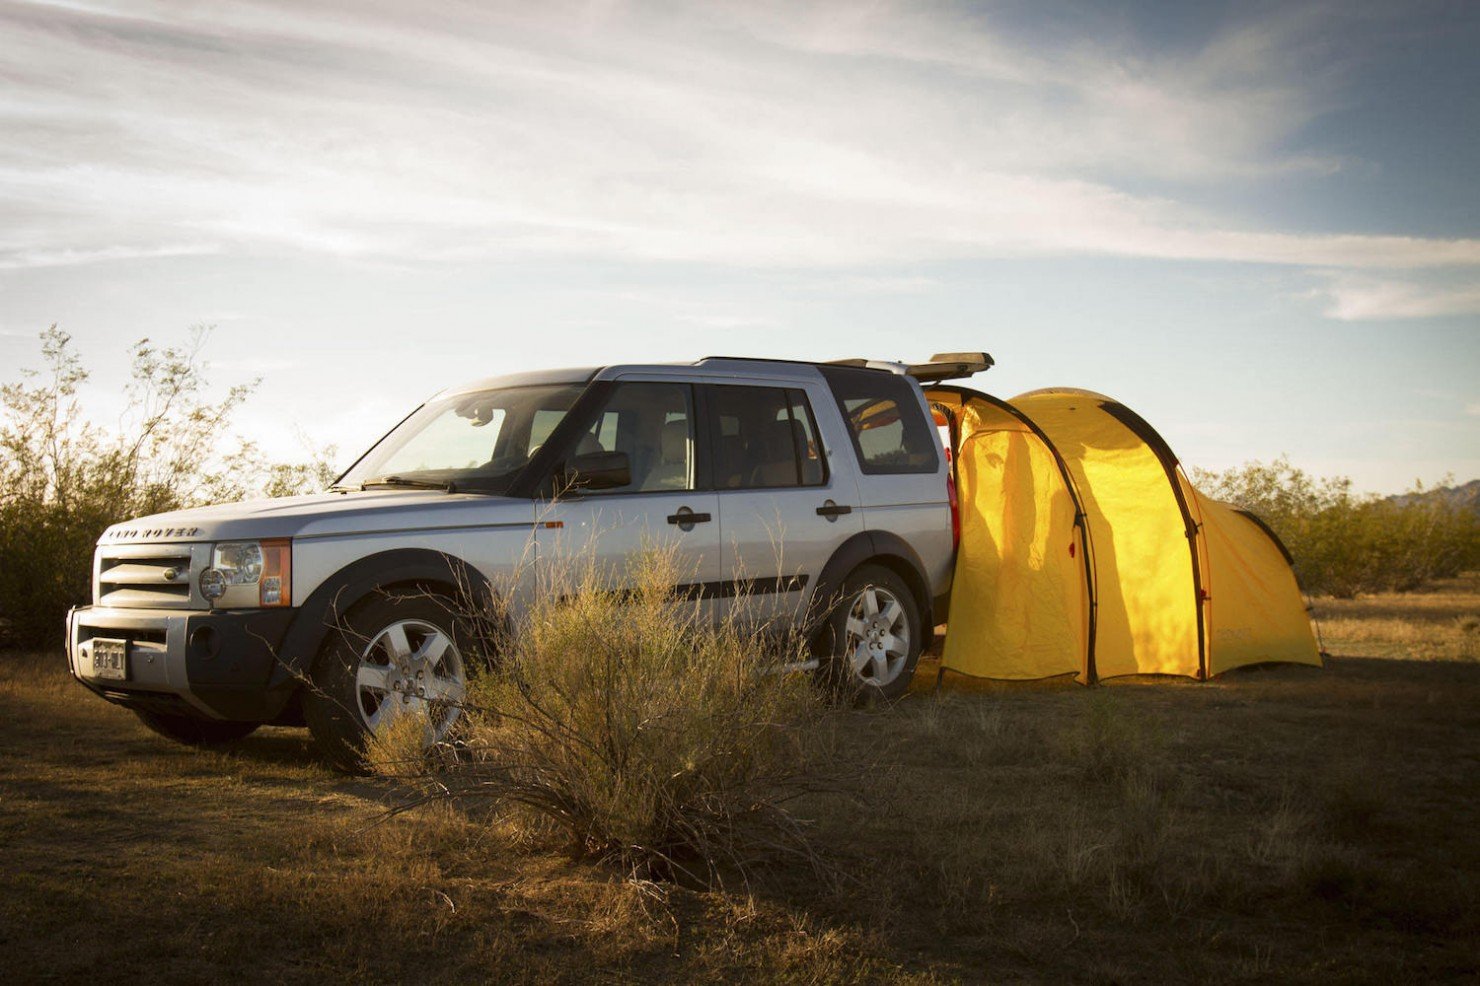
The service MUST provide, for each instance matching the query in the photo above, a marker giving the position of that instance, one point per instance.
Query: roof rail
(859, 363)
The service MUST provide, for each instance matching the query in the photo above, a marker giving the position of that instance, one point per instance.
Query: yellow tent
(1085, 550)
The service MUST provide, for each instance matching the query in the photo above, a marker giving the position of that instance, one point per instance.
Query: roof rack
(941, 366)
(951, 366)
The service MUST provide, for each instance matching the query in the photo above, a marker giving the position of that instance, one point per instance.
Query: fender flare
(341, 592)
(888, 549)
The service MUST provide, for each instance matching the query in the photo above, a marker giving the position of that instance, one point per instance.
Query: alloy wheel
(877, 636)
(411, 668)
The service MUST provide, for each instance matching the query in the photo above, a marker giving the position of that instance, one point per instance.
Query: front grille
(147, 576)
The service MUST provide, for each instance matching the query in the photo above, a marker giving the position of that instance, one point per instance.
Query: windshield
(476, 442)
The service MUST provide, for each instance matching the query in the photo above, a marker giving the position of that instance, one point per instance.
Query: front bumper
(222, 665)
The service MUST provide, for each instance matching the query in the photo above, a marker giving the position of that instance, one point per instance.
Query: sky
(1257, 224)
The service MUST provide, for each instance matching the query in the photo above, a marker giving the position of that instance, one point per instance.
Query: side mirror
(598, 471)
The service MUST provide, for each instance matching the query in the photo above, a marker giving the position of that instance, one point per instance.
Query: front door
(602, 533)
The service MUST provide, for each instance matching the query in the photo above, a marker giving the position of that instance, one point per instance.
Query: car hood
(324, 515)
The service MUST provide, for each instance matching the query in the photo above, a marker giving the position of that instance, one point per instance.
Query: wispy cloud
(25, 257)
(759, 134)
(1352, 297)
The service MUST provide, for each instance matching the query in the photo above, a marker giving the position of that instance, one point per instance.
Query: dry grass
(1282, 824)
(1439, 624)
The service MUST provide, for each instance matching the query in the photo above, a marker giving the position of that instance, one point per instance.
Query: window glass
(540, 426)
(809, 445)
(448, 442)
(764, 438)
(478, 441)
(653, 423)
(883, 415)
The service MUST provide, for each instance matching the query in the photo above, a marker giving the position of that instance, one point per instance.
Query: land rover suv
(210, 622)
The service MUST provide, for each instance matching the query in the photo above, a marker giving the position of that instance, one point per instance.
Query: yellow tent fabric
(1086, 550)
(1255, 609)
(1020, 536)
(1146, 620)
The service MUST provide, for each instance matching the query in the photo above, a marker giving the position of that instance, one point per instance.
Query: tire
(872, 647)
(193, 731)
(395, 655)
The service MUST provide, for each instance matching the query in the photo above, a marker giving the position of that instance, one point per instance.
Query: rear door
(665, 506)
(902, 464)
(786, 500)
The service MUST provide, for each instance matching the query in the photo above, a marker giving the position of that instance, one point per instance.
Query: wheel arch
(325, 609)
(878, 548)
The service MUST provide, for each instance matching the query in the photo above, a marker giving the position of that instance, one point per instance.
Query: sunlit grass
(1440, 624)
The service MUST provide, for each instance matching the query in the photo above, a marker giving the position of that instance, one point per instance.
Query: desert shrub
(1344, 543)
(625, 728)
(63, 479)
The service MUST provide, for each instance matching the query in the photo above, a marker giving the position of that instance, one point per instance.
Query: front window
(478, 442)
(653, 425)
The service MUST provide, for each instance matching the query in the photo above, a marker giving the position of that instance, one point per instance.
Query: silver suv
(209, 622)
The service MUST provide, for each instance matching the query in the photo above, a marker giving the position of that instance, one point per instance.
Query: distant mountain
(1466, 496)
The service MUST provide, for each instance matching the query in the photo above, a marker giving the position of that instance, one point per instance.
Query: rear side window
(764, 438)
(889, 432)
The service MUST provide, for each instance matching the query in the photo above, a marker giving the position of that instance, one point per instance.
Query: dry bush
(625, 728)
(63, 480)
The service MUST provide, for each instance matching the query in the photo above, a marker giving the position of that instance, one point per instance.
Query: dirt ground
(1284, 824)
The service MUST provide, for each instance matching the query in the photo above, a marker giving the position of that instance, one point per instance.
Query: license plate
(110, 659)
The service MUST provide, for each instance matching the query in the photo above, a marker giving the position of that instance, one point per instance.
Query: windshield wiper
(415, 484)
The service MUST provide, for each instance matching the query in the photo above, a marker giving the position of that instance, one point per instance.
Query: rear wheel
(875, 635)
(192, 731)
(396, 665)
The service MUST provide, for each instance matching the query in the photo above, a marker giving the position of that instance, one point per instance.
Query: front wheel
(397, 664)
(874, 635)
(193, 731)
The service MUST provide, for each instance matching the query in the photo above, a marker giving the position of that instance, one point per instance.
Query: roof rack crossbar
(941, 366)
(950, 366)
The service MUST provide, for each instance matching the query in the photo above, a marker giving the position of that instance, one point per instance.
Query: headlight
(249, 573)
(239, 561)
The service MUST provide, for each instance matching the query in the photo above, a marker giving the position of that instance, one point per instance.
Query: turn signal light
(276, 587)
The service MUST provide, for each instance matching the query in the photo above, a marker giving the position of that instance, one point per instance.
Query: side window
(764, 438)
(809, 446)
(889, 432)
(653, 423)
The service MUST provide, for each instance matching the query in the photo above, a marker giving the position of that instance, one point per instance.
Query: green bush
(63, 480)
(1344, 543)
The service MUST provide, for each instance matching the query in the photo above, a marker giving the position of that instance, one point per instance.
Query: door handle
(832, 510)
(687, 518)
